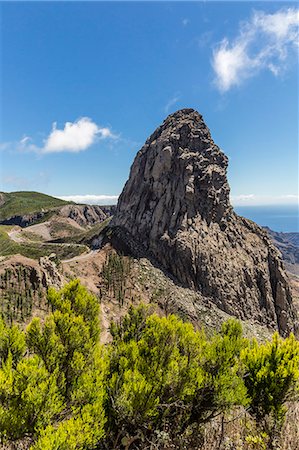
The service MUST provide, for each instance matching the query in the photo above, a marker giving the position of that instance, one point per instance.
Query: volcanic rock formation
(175, 206)
(84, 215)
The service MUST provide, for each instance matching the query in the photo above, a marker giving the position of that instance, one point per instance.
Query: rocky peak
(175, 206)
(180, 174)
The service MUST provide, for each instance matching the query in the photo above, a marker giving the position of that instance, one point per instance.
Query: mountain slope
(175, 209)
(287, 243)
(26, 203)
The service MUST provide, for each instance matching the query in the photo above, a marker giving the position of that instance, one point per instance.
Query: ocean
(277, 217)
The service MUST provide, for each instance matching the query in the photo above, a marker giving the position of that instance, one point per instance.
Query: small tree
(69, 335)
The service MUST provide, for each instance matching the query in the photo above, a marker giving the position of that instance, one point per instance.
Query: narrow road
(80, 257)
(16, 235)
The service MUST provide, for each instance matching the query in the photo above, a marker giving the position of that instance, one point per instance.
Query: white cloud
(255, 200)
(185, 22)
(171, 102)
(264, 42)
(74, 137)
(242, 198)
(237, 200)
(91, 199)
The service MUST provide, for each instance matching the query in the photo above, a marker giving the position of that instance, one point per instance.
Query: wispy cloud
(91, 199)
(266, 41)
(16, 181)
(204, 39)
(74, 137)
(171, 102)
(255, 200)
(12, 181)
(185, 22)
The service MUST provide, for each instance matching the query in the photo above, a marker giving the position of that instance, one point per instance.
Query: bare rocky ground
(150, 285)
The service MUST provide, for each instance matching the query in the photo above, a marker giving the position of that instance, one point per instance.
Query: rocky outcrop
(109, 210)
(84, 215)
(175, 207)
(50, 273)
(23, 286)
(287, 243)
(24, 220)
(2, 199)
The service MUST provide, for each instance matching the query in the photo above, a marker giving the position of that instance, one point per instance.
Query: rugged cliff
(175, 207)
(84, 215)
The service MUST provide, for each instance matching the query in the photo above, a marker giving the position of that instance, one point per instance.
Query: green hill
(26, 202)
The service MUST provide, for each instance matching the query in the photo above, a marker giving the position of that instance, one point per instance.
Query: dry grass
(237, 431)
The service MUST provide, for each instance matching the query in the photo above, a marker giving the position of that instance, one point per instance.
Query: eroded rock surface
(84, 215)
(176, 207)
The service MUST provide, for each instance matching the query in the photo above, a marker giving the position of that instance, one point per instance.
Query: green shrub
(67, 339)
(165, 375)
(159, 381)
(29, 397)
(12, 342)
(271, 379)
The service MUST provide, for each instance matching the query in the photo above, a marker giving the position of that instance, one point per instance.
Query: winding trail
(16, 235)
(80, 257)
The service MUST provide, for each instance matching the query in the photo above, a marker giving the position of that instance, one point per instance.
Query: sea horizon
(280, 218)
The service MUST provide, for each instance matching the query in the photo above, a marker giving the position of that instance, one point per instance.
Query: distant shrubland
(158, 385)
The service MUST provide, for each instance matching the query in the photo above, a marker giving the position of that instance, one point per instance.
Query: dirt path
(41, 229)
(80, 257)
(88, 269)
(16, 235)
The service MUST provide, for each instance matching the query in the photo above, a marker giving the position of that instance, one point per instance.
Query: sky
(83, 84)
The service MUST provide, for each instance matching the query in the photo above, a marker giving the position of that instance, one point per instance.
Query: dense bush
(164, 375)
(272, 373)
(159, 382)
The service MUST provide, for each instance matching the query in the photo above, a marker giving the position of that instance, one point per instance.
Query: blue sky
(84, 84)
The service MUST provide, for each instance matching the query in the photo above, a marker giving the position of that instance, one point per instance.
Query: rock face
(50, 273)
(175, 206)
(287, 243)
(24, 220)
(23, 287)
(84, 215)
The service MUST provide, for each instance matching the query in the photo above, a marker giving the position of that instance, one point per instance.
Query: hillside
(288, 245)
(26, 203)
(35, 225)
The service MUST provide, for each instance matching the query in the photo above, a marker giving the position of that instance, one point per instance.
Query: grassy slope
(26, 202)
(21, 203)
(35, 250)
(85, 237)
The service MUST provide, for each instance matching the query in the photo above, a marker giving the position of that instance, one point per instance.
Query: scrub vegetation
(158, 385)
